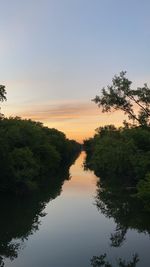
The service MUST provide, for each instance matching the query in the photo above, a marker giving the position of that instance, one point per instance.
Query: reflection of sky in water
(73, 230)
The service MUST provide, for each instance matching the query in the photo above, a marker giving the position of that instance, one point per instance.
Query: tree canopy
(31, 154)
(120, 96)
(121, 156)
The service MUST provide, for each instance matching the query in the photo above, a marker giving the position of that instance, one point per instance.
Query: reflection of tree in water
(101, 260)
(119, 236)
(127, 212)
(21, 217)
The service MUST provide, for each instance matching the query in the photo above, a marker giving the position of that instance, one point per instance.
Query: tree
(2, 95)
(120, 96)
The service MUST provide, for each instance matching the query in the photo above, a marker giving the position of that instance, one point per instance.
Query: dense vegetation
(122, 156)
(30, 153)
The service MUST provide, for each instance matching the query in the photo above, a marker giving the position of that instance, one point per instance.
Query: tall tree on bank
(120, 96)
(2, 96)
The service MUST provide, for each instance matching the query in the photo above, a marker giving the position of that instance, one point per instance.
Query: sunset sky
(56, 55)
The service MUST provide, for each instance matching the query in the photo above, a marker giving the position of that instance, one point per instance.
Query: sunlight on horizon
(77, 119)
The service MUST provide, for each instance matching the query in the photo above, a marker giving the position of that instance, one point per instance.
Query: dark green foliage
(30, 154)
(121, 156)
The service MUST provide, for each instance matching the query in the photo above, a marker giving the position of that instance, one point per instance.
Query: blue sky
(55, 55)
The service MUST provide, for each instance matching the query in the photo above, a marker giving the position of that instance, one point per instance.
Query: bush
(121, 154)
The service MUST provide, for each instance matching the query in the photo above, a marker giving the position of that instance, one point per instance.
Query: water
(66, 228)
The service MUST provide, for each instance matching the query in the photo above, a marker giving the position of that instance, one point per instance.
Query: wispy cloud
(60, 111)
(78, 119)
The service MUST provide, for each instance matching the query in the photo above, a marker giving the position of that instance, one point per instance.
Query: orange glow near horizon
(78, 120)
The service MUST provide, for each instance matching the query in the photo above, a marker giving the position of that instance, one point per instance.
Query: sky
(56, 55)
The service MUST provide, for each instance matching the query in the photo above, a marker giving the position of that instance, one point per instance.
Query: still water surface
(67, 229)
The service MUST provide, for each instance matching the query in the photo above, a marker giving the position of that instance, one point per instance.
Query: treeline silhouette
(122, 155)
(31, 154)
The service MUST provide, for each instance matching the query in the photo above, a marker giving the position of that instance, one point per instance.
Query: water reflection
(127, 212)
(74, 228)
(101, 260)
(20, 218)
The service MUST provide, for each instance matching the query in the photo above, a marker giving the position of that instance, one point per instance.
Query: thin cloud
(61, 112)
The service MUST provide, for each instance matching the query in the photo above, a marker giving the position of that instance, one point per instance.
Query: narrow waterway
(70, 229)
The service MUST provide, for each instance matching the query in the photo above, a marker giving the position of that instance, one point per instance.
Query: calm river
(69, 227)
